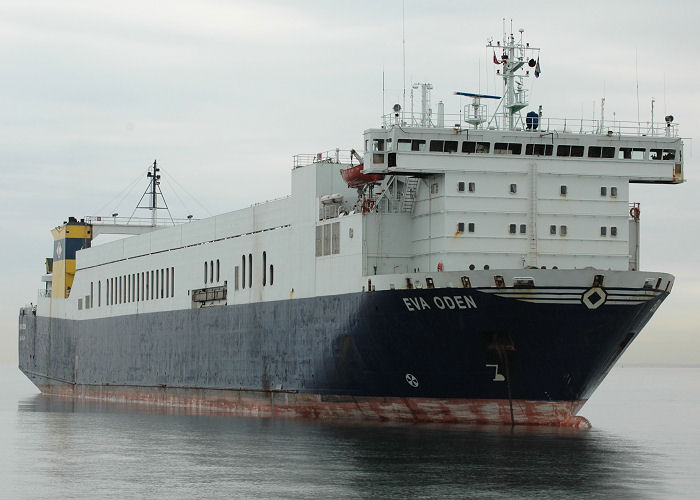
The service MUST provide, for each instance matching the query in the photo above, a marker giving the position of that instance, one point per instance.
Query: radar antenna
(514, 54)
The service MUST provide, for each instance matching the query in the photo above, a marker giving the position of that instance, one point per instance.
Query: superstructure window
(613, 231)
(512, 228)
(218, 271)
(601, 152)
(99, 293)
(476, 147)
(669, 154)
(162, 281)
(272, 274)
(613, 192)
(236, 272)
(562, 230)
(523, 228)
(167, 282)
(552, 229)
(440, 146)
(631, 153)
(250, 270)
(563, 190)
(206, 272)
(378, 145)
(410, 145)
(434, 188)
(503, 148)
(603, 191)
(172, 282)
(211, 271)
(264, 268)
(460, 187)
(513, 188)
(539, 149)
(568, 150)
(603, 231)
(243, 270)
(470, 227)
(460, 227)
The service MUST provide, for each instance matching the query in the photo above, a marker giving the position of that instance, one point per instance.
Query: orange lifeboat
(354, 177)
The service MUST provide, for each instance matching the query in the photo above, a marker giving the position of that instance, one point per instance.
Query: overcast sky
(224, 93)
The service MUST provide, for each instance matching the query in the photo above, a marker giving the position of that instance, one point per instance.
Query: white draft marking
(497, 377)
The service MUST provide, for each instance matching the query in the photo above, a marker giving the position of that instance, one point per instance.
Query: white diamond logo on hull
(412, 380)
(593, 298)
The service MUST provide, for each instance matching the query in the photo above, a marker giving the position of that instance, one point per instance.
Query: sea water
(644, 443)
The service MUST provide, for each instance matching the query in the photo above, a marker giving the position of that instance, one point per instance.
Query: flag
(495, 61)
(537, 68)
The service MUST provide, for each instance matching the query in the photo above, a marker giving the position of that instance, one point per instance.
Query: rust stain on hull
(333, 407)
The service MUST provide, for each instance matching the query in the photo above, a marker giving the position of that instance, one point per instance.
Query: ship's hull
(439, 355)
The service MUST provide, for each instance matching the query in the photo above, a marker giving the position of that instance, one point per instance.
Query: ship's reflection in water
(82, 449)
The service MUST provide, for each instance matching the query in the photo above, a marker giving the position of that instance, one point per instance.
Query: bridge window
(669, 154)
(503, 148)
(601, 152)
(378, 145)
(567, 150)
(476, 147)
(539, 149)
(437, 146)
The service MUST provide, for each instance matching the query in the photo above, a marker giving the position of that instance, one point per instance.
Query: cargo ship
(470, 268)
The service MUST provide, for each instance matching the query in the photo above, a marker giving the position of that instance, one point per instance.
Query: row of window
(516, 148)
(563, 189)
(514, 229)
(212, 272)
(135, 287)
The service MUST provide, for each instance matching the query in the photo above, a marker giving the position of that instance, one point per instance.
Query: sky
(224, 93)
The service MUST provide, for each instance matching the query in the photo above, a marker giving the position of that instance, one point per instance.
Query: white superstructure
(460, 193)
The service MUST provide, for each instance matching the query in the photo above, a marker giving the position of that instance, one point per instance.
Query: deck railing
(546, 125)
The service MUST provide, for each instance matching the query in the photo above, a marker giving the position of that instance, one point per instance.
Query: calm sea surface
(645, 442)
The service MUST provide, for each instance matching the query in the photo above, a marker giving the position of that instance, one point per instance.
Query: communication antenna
(636, 77)
(403, 36)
